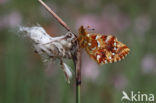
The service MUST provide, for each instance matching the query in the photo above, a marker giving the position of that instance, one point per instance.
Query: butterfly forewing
(102, 48)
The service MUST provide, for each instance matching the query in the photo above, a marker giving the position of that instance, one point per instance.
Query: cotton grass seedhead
(67, 71)
(52, 47)
(37, 34)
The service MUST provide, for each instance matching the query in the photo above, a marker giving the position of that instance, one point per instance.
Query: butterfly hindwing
(102, 48)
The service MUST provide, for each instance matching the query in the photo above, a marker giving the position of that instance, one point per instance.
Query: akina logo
(137, 96)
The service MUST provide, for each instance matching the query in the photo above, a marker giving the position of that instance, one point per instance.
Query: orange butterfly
(102, 48)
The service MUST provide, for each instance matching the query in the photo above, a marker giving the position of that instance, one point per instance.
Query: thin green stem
(78, 92)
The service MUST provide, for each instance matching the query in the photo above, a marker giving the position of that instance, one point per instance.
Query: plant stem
(78, 92)
(78, 75)
(76, 55)
(55, 16)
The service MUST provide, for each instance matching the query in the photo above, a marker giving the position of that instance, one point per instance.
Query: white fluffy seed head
(55, 47)
(68, 72)
(36, 34)
(51, 47)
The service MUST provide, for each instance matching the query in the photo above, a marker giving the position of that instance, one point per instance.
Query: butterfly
(102, 48)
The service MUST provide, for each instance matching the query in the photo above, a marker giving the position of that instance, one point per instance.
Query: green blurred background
(24, 78)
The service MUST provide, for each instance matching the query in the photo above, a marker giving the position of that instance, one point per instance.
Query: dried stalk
(55, 16)
(78, 74)
(76, 55)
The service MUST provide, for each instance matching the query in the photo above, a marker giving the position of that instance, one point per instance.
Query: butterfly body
(102, 48)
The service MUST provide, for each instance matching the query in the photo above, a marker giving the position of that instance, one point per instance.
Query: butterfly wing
(105, 49)
(102, 48)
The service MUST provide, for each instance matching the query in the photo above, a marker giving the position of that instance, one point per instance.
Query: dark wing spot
(111, 40)
(104, 37)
